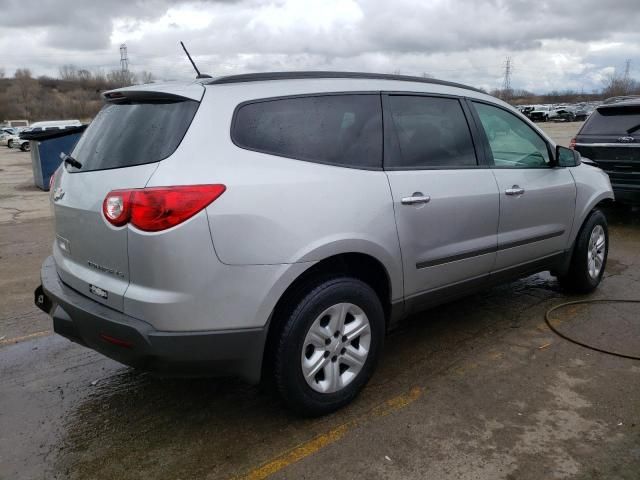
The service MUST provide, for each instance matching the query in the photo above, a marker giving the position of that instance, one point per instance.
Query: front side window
(432, 132)
(343, 130)
(514, 144)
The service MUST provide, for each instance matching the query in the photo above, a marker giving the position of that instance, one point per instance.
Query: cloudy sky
(553, 44)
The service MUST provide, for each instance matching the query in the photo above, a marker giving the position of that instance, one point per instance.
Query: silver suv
(277, 225)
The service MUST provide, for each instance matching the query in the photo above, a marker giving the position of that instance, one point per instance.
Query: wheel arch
(362, 266)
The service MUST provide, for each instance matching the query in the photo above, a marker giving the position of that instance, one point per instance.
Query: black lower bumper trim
(136, 343)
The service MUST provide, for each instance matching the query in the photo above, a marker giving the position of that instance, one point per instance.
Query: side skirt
(432, 298)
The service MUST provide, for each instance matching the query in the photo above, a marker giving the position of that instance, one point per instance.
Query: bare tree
(68, 73)
(118, 78)
(146, 77)
(616, 84)
(26, 90)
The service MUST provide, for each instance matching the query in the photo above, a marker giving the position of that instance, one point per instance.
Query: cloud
(553, 45)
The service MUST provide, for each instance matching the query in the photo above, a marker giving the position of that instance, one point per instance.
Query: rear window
(344, 130)
(613, 121)
(127, 134)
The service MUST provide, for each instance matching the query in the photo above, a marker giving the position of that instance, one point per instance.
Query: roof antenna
(200, 75)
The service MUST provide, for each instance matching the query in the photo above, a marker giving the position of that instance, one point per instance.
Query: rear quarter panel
(278, 210)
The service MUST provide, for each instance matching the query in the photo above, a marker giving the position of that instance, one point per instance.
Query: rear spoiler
(156, 92)
(143, 96)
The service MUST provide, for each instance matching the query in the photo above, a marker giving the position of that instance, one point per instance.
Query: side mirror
(565, 157)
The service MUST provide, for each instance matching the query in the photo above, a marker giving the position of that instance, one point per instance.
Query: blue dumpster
(46, 146)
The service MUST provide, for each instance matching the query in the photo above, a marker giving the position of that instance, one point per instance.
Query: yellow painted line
(318, 443)
(11, 341)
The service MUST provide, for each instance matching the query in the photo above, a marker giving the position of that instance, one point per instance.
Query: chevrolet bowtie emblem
(58, 193)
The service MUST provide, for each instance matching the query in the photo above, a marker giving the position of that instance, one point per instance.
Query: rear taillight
(572, 143)
(158, 208)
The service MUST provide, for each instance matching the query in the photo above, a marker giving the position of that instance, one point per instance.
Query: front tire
(329, 346)
(589, 255)
(10, 144)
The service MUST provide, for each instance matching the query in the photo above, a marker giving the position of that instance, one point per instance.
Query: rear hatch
(121, 149)
(611, 138)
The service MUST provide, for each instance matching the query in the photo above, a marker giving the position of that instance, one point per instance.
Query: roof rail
(620, 98)
(257, 77)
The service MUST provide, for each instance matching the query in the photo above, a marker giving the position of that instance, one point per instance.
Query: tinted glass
(432, 132)
(514, 144)
(123, 135)
(613, 121)
(342, 130)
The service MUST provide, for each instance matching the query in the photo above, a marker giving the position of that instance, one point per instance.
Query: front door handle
(416, 199)
(515, 190)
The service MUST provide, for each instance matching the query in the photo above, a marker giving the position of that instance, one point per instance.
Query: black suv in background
(611, 138)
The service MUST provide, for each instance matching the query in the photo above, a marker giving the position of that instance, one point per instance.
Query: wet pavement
(477, 389)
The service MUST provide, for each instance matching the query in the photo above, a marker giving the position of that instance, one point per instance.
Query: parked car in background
(526, 110)
(581, 114)
(562, 114)
(611, 138)
(20, 143)
(25, 145)
(540, 113)
(52, 124)
(18, 123)
(184, 241)
(6, 133)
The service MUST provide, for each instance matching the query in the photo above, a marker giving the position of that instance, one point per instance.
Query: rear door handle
(515, 190)
(416, 199)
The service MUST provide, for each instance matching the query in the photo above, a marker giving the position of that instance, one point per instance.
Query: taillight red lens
(572, 143)
(158, 208)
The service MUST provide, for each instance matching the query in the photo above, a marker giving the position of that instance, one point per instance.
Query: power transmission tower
(626, 81)
(627, 68)
(124, 60)
(506, 83)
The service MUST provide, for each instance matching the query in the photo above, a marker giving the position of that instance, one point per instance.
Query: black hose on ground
(547, 316)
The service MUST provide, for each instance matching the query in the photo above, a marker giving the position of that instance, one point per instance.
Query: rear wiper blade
(66, 158)
(633, 129)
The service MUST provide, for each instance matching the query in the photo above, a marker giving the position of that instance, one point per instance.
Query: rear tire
(25, 147)
(331, 339)
(10, 144)
(589, 256)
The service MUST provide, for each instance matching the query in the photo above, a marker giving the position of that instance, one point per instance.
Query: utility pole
(506, 83)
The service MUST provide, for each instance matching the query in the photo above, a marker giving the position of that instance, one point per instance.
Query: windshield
(127, 134)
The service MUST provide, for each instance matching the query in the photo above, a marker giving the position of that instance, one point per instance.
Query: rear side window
(343, 130)
(127, 134)
(432, 133)
(613, 121)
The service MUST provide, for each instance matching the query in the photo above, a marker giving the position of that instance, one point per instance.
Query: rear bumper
(136, 343)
